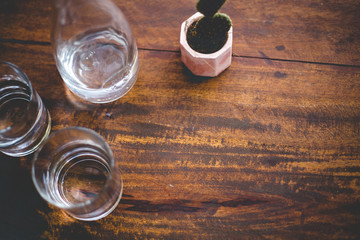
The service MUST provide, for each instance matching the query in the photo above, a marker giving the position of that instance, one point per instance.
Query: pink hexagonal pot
(207, 65)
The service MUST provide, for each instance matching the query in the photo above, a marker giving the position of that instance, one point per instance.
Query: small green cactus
(209, 34)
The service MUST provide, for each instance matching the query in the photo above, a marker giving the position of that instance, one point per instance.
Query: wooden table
(270, 149)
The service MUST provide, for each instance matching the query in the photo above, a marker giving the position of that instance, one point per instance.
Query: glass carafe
(94, 49)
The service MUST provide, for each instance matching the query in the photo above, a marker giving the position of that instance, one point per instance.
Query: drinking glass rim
(87, 202)
(32, 93)
(18, 70)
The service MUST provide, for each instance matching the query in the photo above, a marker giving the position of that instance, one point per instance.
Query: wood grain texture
(313, 31)
(269, 149)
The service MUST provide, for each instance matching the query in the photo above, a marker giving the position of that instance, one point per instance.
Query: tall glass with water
(75, 170)
(94, 49)
(24, 120)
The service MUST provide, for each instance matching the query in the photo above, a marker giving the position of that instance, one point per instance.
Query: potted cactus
(206, 39)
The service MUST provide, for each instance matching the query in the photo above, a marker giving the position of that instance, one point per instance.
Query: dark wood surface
(270, 149)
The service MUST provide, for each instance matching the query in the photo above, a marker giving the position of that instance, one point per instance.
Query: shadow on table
(191, 78)
(19, 202)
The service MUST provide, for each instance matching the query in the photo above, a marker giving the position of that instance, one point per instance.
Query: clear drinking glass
(24, 120)
(94, 49)
(75, 170)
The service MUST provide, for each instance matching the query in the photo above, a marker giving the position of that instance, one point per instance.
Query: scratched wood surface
(270, 149)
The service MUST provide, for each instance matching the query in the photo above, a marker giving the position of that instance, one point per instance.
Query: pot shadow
(191, 78)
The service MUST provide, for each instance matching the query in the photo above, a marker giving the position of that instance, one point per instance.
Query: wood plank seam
(30, 42)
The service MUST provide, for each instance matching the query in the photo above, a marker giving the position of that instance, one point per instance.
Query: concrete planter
(207, 65)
